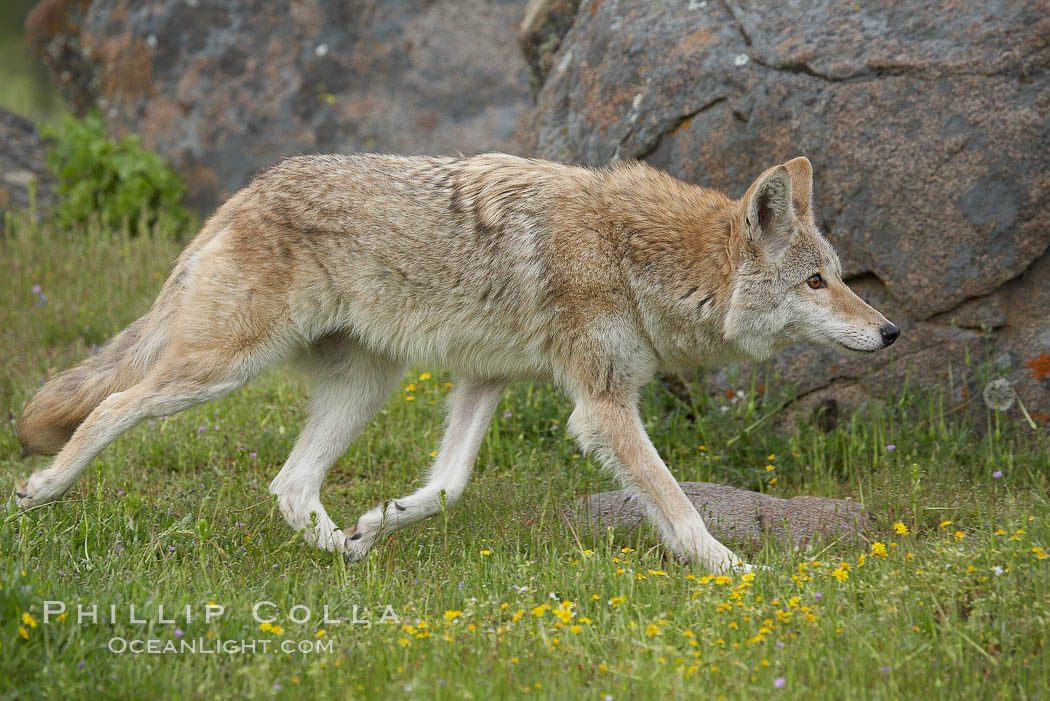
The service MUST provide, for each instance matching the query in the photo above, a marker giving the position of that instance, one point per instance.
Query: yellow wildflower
(900, 528)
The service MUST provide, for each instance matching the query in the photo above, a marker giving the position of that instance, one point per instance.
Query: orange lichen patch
(132, 60)
(694, 41)
(1040, 366)
(54, 17)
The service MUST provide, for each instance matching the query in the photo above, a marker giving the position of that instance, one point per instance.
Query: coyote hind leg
(473, 403)
(173, 385)
(352, 384)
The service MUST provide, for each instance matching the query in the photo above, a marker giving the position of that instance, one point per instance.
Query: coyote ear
(767, 217)
(801, 172)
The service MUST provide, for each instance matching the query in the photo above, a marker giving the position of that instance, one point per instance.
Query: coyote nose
(889, 334)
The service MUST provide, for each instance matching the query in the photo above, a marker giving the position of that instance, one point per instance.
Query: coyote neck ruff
(494, 267)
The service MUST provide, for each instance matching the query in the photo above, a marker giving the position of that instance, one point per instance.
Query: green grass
(176, 514)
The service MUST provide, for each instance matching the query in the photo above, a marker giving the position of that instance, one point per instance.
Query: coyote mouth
(862, 351)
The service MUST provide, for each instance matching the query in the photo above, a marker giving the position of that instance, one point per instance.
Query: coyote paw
(360, 538)
(28, 494)
(20, 494)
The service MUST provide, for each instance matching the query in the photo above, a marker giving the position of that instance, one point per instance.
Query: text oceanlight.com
(203, 646)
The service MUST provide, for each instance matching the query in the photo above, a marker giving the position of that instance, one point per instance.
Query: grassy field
(948, 598)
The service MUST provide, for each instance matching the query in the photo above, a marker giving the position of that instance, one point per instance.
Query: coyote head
(787, 286)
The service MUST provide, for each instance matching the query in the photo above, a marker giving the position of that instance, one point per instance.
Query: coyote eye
(816, 282)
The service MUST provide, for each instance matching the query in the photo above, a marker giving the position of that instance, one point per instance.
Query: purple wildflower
(507, 414)
(780, 644)
(201, 429)
(178, 632)
(890, 448)
(997, 474)
(253, 455)
(35, 289)
(171, 548)
(885, 669)
(779, 682)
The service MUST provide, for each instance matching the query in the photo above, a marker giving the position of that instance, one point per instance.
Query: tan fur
(496, 267)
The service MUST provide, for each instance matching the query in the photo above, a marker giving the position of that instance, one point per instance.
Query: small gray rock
(735, 515)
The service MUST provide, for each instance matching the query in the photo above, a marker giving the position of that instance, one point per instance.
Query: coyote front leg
(615, 431)
(472, 405)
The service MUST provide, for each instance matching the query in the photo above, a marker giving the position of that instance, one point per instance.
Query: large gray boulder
(224, 88)
(928, 126)
(23, 172)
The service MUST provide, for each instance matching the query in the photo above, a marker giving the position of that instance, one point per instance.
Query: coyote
(495, 267)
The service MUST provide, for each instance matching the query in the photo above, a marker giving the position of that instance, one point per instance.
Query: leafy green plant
(116, 182)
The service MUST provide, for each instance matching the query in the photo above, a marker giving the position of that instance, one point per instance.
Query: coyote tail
(64, 401)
